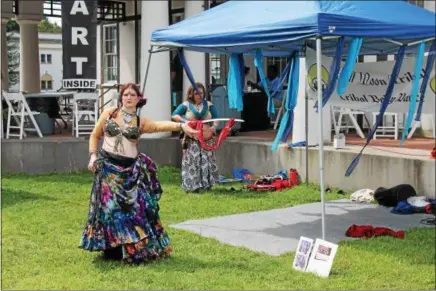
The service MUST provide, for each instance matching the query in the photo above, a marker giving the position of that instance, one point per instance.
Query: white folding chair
(279, 113)
(85, 107)
(19, 110)
(339, 124)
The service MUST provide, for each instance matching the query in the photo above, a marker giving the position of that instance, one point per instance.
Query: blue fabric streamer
(290, 103)
(282, 78)
(428, 69)
(258, 62)
(334, 74)
(187, 70)
(348, 68)
(414, 90)
(383, 107)
(235, 82)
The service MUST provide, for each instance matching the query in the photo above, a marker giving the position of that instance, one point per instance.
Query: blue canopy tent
(279, 28)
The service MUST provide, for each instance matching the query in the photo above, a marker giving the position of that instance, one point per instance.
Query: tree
(13, 52)
(46, 26)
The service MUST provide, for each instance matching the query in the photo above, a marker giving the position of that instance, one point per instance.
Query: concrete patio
(278, 231)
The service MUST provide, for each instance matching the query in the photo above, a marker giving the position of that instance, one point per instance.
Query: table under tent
(287, 28)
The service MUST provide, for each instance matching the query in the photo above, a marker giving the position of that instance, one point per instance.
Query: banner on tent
(368, 85)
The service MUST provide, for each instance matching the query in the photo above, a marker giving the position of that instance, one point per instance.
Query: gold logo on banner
(312, 78)
(433, 84)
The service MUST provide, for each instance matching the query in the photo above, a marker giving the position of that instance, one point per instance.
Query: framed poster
(302, 255)
(321, 259)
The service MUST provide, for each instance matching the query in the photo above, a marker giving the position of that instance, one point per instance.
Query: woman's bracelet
(92, 153)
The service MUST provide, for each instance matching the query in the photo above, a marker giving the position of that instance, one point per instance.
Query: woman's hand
(92, 165)
(189, 130)
(213, 130)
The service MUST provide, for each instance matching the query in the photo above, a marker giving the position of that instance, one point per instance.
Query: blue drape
(258, 62)
(347, 70)
(235, 81)
(383, 107)
(290, 103)
(187, 69)
(414, 90)
(334, 74)
(424, 84)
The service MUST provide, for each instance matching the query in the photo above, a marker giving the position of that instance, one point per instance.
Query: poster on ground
(321, 258)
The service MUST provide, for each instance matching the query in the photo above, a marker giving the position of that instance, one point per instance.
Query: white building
(123, 41)
(50, 60)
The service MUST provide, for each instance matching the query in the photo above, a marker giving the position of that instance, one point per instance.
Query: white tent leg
(321, 134)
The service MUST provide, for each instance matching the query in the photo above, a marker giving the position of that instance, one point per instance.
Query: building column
(4, 57)
(195, 60)
(158, 85)
(29, 56)
(299, 128)
(127, 47)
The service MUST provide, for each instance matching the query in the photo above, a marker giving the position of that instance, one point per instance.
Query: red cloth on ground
(370, 231)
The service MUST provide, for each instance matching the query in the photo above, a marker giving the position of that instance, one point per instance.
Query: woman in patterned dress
(123, 219)
(199, 169)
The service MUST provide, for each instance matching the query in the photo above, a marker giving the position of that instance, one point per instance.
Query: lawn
(43, 216)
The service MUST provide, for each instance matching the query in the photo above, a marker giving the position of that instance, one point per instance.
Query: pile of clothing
(404, 200)
(282, 180)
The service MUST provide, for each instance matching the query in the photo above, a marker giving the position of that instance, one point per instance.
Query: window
(110, 53)
(382, 58)
(46, 82)
(361, 59)
(45, 58)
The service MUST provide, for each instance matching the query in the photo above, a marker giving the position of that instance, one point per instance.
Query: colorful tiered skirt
(123, 214)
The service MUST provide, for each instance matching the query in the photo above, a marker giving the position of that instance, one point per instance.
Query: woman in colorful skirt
(123, 219)
(199, 169)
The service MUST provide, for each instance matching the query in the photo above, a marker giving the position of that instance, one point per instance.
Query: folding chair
(339, 124)
(279, 113)
(85, 107)
(19, 110)
(386, 128)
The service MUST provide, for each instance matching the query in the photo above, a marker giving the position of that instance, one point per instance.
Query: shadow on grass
(12, 197)
(185, 264)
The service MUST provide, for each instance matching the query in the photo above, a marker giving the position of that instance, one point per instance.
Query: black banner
(79, 44)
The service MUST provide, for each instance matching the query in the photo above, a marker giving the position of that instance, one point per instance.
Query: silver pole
(321, 134)
(150, 52)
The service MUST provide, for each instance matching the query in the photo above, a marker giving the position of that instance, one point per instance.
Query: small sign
(79, 83)
(303, 253)
(79, 43)
(321, 259)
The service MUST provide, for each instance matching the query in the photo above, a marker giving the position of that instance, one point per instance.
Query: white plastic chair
(20, 113)
(85, 107)
(387, 128)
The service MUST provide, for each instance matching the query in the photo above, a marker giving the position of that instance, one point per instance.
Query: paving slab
(278, 231)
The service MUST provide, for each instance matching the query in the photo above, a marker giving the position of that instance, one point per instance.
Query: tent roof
(279, 27)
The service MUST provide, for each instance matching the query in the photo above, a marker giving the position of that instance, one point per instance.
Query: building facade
(123, 43)
(50, 60)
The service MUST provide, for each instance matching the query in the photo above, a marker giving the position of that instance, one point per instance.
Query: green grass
(43, 216)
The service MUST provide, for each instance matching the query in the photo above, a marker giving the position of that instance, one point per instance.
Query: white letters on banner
(368, 85)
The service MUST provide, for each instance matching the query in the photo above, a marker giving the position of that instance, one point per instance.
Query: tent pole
(150, 52)
(306, 122)
(321, 134)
